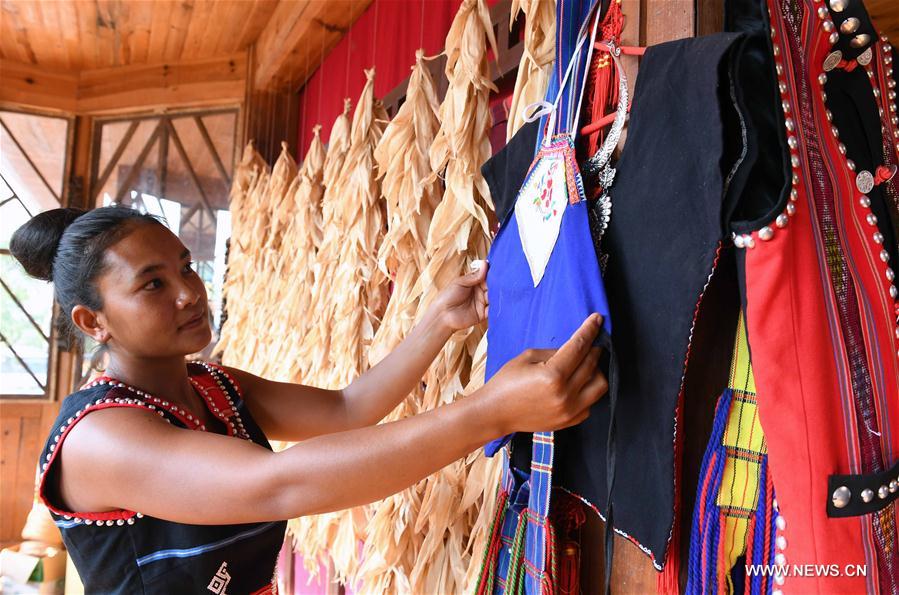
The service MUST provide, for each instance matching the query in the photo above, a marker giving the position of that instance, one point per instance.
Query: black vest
(128, 552)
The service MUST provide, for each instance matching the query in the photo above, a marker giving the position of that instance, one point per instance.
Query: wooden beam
(203, 82)
(288, 47)
(252, 27)
(31, 86)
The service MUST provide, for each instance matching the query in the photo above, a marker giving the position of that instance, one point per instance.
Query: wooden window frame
(57, 346)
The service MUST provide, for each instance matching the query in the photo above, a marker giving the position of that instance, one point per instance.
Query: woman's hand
(548, 389)
(463, 303)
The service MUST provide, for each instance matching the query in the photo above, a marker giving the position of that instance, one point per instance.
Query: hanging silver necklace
(599, 166)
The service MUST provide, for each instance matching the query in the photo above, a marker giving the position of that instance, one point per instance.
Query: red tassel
(570, 569)
(493, 549)
(602, 85)
(884, 173)
(564, 531)
(669, 579)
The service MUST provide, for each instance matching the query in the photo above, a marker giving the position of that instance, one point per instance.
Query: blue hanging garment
(544, 280)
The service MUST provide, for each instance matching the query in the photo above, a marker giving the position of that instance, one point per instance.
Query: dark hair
(67, 246)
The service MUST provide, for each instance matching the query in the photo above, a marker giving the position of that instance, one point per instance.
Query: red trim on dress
(112, 515)
(212, 394)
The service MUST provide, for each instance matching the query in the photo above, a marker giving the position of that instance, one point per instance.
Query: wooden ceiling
(84, 35)
(93, 56)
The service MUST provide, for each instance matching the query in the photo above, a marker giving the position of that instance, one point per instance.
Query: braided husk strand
(312, 358)
(356, 288)
(459, 233)
(295, 285)
(391, 547)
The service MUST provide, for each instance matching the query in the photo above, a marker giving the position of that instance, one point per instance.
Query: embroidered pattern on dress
(220, 580)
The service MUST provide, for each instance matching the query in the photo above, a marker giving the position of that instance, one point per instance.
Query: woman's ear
(90, 323)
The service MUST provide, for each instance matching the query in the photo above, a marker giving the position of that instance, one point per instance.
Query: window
(177, 166)
(33, 165)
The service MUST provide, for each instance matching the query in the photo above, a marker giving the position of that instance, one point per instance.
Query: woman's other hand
(550, 389)
(463, 303)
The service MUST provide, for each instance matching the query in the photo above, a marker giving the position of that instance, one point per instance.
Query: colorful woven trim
(733, 516)
(521, 555)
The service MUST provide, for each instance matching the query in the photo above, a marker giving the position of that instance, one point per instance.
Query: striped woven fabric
(734, 513)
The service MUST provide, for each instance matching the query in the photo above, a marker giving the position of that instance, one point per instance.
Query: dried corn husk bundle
(250, 177)
(311, 536)
(274, 209)
(282, 189)
(251, 164)
(269, 283)
(252, 269)
(534, 71)
(349, 298)
(312, 357)
(359, 287)
(459, 233)
(536, 62)
(411, 192)
(481, 484)
(300, 243)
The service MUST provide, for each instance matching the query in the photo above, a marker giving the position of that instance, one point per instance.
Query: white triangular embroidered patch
(539, 208)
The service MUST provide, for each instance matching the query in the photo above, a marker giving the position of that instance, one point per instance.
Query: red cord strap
(847, 65)
(609, 118)
(627, 50)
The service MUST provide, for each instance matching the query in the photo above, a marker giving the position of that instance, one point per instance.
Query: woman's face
(154, 303)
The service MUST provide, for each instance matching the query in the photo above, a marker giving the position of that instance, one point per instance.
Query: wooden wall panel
(664, 20)
(216, 81)
(24, 426)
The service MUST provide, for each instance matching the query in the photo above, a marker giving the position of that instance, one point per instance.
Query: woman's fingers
(593, 391)
(477, 276)
(572, 353)
(481, 307)
(585, 371)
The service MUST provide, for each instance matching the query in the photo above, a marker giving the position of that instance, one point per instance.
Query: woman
(145, 506)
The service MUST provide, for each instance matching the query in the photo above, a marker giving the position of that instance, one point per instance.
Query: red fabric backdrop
(386, 37)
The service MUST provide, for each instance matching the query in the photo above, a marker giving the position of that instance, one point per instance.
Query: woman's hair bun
(35, 244)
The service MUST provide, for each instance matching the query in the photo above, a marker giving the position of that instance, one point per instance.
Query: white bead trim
(53, 451)
(864, 179)
(767, 232)
(230, 419)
